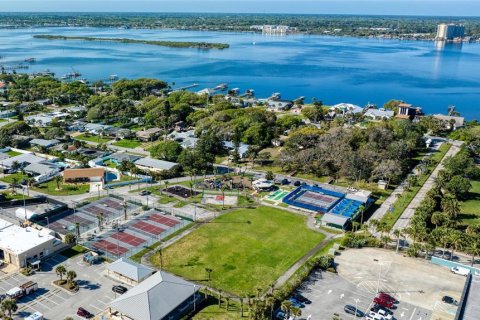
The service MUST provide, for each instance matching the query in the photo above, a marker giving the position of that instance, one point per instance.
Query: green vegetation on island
(174, 44)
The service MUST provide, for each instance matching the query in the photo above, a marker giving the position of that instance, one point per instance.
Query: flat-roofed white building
(21, 245)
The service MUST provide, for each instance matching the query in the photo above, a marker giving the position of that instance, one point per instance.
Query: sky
(373, 7)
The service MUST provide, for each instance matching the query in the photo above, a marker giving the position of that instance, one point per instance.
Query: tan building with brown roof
(84, 175)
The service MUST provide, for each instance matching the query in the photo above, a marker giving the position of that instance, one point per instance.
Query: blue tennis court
(346, 208)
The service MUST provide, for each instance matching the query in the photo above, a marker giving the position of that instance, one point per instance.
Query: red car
(84, 313)
(384, 303)
(387, 297)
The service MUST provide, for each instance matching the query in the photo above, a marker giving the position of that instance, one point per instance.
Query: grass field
(246, 249)
(471, 208)
(96, 139)
(127, 143)
(12, 153)
(50, 187)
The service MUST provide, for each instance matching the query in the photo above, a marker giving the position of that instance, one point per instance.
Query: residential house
(119, 133)
(97, 128)
(450, 122)
(23, 160)
(379, 114)
(8, 113)
(150, 164)
(242, 148)
(42, 171)
(84, 175)
(346, 108)
(44, 143)
(279, 105)
(408, 111)
(148, 134)
(161, 296)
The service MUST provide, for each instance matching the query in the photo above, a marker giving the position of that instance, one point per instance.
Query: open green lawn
(50, 187)
(12, 153)
(127, 143)
(91, 138)
(246, 249)
(17, 196)
(471, 208)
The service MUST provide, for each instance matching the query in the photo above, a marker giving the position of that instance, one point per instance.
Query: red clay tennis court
(128, 238)
(163, 220)
(109, 247)
(147, 227)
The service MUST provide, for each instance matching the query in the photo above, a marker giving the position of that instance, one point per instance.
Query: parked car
(352, 310)
(385, 315)
(296, 303)
(301, 298)
(119, 289)
(461, 271)
(284, 182)
(374, 316)
(145, 193)
(280, 315)
(386, 296)
(297, 183)
(384, 303)
(84, 313)
(376, 308)
(450, 300)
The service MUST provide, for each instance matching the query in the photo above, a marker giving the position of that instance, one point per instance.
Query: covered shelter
(129, 272)
(161, 296)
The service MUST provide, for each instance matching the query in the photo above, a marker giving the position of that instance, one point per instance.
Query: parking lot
(417, 284)
(55, 303)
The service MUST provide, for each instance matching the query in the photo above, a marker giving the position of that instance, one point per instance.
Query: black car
(284, 182)
(352, 310)
(377, 307)
(145, 193)
(297, 183)
(301, 298)
(449, 300)
(119, 289)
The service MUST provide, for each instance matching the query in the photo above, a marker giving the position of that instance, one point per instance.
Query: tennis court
(109, 247)
(127, 239)
(346, 207)
(313, 198)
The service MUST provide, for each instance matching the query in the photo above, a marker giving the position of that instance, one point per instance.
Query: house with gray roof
(22, 159)
(42, 171)
(150, 164)
(96, 128)
(379, 114)
(129, 272)
(44, 143)
(160, 296)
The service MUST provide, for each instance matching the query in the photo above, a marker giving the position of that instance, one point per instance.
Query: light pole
(356, 307)
(194, 297)
(24, 205)
(379, 275)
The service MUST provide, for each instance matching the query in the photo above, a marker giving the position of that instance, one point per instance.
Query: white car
(461, 271)
(385, 315)
(374, 316)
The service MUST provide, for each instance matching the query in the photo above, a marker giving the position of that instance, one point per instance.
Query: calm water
(331, 69)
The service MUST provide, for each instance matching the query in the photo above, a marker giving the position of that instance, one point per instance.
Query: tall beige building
(449, 31)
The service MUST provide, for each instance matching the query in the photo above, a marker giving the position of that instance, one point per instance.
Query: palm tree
(166, 183)
(15, 165)
(220, 298)
(58, 179)
(474, 248)
(450, 205)
(227, 300)
(270, 301)
(397, 233)
(241, 307)
(209, 272)
(457, 240)
(438, 218)
(30, 183)
(71, 275)
(286, 306)
(385, 240)
(9, 306)
(373, 223)
(297, 312)
(355, 226)
(259, 292)
(60, 271)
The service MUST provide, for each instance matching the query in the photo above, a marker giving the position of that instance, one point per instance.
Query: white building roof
(44, 143)
(376, 113)
(18, 240)
(154, 298)
(347, 108)
(334, 219)
(22, 158)
(155, 163)
(130, 269)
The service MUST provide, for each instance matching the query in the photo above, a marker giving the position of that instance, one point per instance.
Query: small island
(175, 44)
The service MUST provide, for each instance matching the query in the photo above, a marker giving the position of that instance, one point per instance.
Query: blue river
(331, 69)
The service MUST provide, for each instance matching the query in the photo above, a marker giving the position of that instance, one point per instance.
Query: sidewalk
(404, 219)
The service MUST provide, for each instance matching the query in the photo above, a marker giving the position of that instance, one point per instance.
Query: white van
(461, 271)
(34, 316)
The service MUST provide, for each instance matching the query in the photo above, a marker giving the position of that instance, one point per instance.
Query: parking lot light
(356, 307)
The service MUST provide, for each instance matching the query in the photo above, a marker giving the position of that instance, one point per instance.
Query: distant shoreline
(174, 44)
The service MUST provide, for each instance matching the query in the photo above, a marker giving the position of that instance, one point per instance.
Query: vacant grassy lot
(246, 249)
(471, 208)
(127, 143)
(12, 153)
(89, 138)
(50, 187)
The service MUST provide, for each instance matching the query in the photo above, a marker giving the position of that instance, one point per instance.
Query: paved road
(404, 219)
